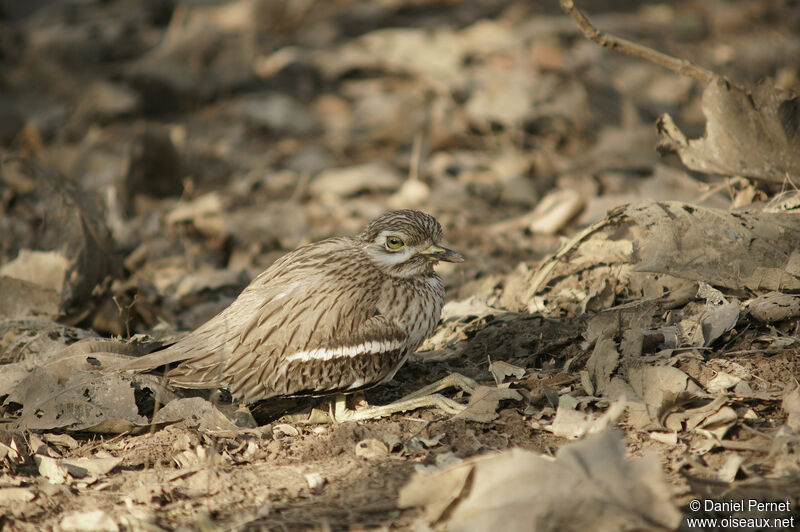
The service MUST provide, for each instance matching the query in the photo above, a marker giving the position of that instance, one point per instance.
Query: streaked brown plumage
(335, 316)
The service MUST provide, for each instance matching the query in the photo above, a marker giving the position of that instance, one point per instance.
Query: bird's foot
(426, 397)
(243, 418)
(239, 414)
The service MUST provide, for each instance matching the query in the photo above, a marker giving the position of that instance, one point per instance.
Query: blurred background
(175, 149)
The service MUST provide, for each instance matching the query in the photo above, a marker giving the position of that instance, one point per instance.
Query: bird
(332, 317)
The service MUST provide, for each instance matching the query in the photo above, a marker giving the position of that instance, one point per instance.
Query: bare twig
(416, 158)
(612, 42)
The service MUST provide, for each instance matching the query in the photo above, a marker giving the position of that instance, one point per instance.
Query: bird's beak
(435, 252)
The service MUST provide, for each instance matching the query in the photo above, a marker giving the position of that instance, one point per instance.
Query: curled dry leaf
(693, 417)
(718, 317)
(752, 134)
(555, 211)
(718, 423)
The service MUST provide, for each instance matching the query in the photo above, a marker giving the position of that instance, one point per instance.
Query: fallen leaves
(291, 123)
(70, 256)
(589, 484)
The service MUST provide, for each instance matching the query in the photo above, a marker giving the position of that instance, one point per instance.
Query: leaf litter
(672, 316)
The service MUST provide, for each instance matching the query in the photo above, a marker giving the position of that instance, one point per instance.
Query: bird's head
(405, 243)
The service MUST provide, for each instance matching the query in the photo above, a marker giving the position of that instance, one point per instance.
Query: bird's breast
(415, 305)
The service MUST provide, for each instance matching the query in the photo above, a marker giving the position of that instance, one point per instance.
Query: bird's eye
(394, 243)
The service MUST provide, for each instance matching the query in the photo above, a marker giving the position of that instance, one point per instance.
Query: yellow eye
(394, 243)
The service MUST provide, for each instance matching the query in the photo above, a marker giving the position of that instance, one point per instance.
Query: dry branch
(612, 42)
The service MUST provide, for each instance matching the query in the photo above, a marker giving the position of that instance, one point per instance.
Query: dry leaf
(721, 382)
(51, 469)
(15, 496)
(574, 424)
(501, 369)
(791, 405)
(93, 520)
(662, 387)
(718, 317)
(436, 497)
(87, 401)
(484, 401)
(589, 486)
(747, 249)
(194, 413)
(774, 306)
(96, 467)
(44, 268)
(751, 134)
(343, 182)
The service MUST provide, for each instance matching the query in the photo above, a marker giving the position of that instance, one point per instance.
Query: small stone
(315, 482)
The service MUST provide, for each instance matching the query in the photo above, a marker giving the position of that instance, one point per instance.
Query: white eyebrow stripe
(368, 348)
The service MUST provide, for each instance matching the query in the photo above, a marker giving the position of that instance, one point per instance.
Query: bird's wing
(361, 359)
(309, 298)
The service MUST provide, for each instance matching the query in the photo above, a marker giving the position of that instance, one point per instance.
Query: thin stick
(416, 158)
(612, 42)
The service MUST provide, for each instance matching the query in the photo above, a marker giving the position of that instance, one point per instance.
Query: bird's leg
(426, 397)
(454, 380)
(342, 413)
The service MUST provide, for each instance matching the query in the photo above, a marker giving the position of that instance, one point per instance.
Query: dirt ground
(157, 155)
